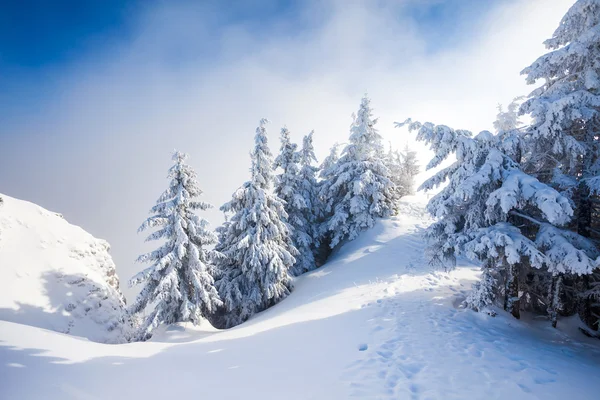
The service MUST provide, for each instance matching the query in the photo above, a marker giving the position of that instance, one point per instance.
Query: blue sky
(39, 38)
(94, 95)
(39, 33)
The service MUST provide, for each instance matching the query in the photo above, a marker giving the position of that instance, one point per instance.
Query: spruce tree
(393, 162)
(286, 183)
(486, 212)
(564, 137)
(178, 284)
(508, 120)
(326, 196)
(256, 243)
(306, 232)
(326, 179)
(360, 190)
(289, 186)
(408, 169)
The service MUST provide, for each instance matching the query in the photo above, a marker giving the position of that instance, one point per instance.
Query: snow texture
(56, 276)
(374, 323)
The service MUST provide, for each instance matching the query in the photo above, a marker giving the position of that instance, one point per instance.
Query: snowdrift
(56, 276)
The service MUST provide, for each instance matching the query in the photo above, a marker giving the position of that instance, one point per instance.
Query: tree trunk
(555, 304)
(586, 309)
(584, 210)
(584, 223)
(512, 302)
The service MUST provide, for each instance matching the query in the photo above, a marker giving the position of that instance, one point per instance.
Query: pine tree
(483, 295)
(508, 120)
(326, 196)
(564, 138)
(393, 162)
(326, 179)
(360, 189)
(179, 283)
(486, 212)
(306, 236)
(402, 167)
(408, 168)
(256, 242)
(291, 187)
(286, 183)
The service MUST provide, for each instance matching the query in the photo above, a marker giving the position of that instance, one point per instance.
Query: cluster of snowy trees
(277, 226)
(525, 201)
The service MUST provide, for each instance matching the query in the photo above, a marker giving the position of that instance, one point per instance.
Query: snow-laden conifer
(286, 183)
(294, 186)
(178, 285)
(306, 235)
(483, 294)
(325, 202)
(256, 242)
(564, 137)
(408, 169)
(508, 120)
(326, 179)
(493, 212)
(360, 189)
(393, 161)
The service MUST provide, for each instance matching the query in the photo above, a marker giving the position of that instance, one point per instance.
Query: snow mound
(56, 276)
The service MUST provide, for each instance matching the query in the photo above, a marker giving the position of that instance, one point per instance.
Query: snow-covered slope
(374, 323)
(56, 276)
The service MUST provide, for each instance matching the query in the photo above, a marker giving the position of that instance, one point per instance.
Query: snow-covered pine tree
(326, 179)
(403, 167)
(326, 196)
(564, 137)
(508, 120)
(486, 211)
(409, 168)
(286, 183)
(293, 186)
(256, 241)
(393, 161)
(360, 189)
(306, 236)
(179, 283)
(483, 295)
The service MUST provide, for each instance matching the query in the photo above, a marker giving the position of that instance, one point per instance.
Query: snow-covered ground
(56, 276)
(376, 323)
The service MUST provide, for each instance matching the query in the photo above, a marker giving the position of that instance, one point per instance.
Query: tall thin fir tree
(326, 180)
(257, 243)
(409, 169)
(393, 162)
(564, 137)
(288, 188)
(325, 202)
(360, 190)
(306, 233)
(286, 183)
(179, 283)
